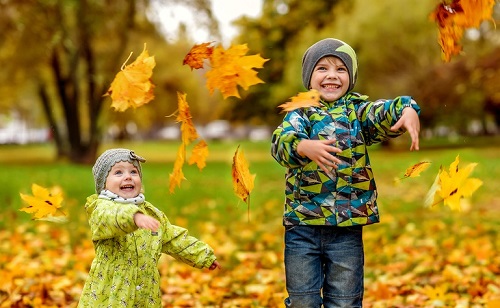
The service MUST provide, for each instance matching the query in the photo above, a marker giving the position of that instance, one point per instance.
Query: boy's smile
(124, 180)
(331, 78)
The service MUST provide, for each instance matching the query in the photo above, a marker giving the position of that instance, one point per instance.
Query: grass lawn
(411, 255)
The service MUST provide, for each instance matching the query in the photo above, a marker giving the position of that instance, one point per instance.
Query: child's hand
(319, 151)
(146, 222)
(214, 266)
(409, 120)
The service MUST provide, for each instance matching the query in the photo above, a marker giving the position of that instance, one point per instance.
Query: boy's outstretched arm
(410, 121)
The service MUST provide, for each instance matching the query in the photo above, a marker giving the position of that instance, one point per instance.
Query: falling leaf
(198, 54)
(199, 154)
(454, 18)
(243, 181)
(231, 68)
(188, 130)
(302, 100)
(43, 203)
(132, 86)
(188, 135)
(416, 169)
(176, 177)
(450, 187)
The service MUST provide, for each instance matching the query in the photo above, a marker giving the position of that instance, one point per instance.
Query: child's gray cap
(108, 159)
(329, 47)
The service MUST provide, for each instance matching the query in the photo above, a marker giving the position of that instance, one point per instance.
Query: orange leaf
(454, 18)
(176, 177)
(199, 155)
(243, 181)
(302, 100)
(197, 55)
(132, 86)
(231, 68)
(43, 203)
(188, 129)
(416, 169)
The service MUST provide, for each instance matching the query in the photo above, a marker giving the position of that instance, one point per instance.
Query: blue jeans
(324, 266)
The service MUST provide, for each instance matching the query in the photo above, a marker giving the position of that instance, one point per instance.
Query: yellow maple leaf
(454, 18)
(302, 100)
(452, 186)
(43, 203)
(197, 55)
(199, 155)
(231, 68)
(132, 86)
(243, 181)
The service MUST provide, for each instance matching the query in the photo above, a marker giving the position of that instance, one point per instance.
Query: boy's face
(124, 180)
(331, 78)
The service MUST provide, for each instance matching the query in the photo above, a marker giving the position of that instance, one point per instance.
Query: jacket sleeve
(287, 136)
(185, 248)
(108, 219)
(377, 117)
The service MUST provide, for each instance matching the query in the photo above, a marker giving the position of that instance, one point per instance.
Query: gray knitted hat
(329, 47)
(108, 159)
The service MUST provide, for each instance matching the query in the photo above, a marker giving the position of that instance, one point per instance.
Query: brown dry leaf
(198, 54)
(454, 18)
(243, 181)
(302, 100)
(132, 86)
(231, 68)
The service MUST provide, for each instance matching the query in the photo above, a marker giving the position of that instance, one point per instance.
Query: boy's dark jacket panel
(124, 272)
(346, 196)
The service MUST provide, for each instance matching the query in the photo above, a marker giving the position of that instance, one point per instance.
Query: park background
(59, 58)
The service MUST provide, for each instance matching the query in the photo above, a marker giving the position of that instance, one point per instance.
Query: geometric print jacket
(346, 196)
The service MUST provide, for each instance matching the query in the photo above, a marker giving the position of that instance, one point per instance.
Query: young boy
(330, 191)
(129, 236)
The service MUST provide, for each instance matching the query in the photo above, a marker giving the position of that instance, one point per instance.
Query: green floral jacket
(124, 272)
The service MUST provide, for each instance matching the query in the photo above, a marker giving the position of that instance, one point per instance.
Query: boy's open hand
(146, 222)
(320, 151)
(409, 120)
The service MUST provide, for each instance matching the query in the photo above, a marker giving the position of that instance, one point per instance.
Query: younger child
(330, 191)
(129, 236)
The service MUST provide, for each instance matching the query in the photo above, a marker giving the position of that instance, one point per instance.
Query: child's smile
(331, 78)
(124, 180)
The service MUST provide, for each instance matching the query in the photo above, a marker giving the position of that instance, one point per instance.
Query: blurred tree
(277, 36)
(67, 52)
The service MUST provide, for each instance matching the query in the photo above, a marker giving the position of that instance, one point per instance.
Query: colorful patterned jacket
(125, 272)
(346, 196)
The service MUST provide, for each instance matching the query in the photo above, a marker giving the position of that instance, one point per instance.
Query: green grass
(210, 191)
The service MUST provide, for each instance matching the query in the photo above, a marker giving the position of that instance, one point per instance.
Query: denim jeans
(324, 266)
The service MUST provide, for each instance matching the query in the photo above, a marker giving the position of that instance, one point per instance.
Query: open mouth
(127, 187)
(331, 86)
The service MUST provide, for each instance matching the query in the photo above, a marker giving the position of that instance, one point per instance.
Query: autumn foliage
(454, 18)
(228, 68)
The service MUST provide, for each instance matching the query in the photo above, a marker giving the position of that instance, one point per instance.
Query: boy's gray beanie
(108, 159)
(329, 47)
